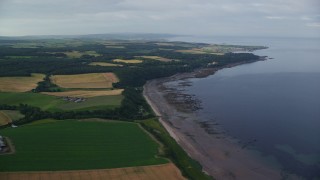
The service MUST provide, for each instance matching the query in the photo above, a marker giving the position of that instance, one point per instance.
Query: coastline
(219, 156)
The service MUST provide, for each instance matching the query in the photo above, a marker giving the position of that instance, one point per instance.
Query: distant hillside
(113, 36)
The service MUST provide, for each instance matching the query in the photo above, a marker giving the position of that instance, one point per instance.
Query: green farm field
(52, 103)
(78, 145)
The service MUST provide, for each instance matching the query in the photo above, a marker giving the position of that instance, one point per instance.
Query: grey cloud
(209, 17)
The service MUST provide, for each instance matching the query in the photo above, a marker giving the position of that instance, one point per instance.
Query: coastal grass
(52, 103)
(79, 145)
(90, 80)
(20, 83)
(85, 93)
(9, 116)
(105, 64)
(129, 61)
(189, 167)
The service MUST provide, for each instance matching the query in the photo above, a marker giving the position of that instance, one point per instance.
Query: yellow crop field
(158, 58)
(105, 64)
(161, 172)
(91, 80)
(20, 84)
(85, 94)
(129, 61)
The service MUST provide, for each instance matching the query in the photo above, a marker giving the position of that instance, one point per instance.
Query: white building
(2, 143)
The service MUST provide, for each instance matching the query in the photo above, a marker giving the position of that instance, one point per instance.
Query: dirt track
(166, 172)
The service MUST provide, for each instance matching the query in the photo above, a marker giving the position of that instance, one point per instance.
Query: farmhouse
(74, 99)
(2, 144)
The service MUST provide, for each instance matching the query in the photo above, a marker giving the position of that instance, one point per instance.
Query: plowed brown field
(166, 172)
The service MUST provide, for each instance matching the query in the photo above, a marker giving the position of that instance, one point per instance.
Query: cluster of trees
(137, 77)
(134, 106)
(46, 86)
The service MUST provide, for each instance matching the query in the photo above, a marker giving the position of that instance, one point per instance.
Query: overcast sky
(194, 17)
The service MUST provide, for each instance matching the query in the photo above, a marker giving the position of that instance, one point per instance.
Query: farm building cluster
(74, 99)
(2, 145)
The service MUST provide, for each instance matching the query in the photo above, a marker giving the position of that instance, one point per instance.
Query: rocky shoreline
(219, 155)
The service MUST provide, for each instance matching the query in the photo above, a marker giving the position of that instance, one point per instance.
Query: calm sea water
(275, 103)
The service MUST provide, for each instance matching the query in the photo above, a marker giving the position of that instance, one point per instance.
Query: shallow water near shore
(271, 107)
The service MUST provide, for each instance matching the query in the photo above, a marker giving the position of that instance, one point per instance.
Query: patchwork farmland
(78, 79)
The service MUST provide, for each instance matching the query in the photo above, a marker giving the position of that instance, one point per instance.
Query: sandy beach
(220, 156)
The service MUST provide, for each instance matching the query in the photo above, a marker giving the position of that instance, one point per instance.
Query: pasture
(91, 80)
(52, 103)
(79, 145)
(20, 83)
(85, 93)
(129, 61)
(161, 172)
(105, 64)
(8, 116)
